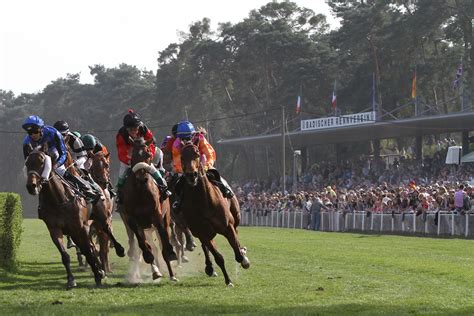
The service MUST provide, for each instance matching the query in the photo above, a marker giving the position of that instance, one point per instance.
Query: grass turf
(292, 272)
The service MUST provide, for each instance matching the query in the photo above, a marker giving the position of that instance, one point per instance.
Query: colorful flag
(457, 81)
(298, 105)
(334, 97)
(413, 86)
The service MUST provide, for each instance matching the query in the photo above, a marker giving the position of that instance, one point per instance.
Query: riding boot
(110, 188)
(178, 197)
(162, 186)
(120, 183)
(226, 191)
(70, 243)
(92, 196)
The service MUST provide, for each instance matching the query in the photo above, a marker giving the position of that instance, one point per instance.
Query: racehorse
(102, 212)
(62, 211)
(142, 207)
(207, 212)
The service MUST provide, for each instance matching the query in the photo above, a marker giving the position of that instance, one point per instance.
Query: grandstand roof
(426, 125)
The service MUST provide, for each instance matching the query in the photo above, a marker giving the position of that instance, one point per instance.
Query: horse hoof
(172, 256)
(71, 284)
(148, 257)
(230, 285)
(245, 263)
(209, 271)
(214, 274)
(156, 275)
(185, 259)
(119, 250)
(190, 247)
(174, 279)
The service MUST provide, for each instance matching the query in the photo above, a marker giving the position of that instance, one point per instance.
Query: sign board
(338, 121)
(453, 156)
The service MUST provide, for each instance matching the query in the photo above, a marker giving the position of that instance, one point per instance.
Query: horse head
(35, 163)
(100, 168)
(191, 163)
(141, 158)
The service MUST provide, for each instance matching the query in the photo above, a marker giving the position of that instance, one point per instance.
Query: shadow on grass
(42, 276)
(205, 307)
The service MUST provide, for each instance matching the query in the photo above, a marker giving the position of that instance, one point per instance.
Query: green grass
(292, 272)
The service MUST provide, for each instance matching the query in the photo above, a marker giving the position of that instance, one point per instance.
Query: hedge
(11, 219)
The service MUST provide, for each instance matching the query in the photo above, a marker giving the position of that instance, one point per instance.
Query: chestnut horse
(142, 208)
(63, 213)
(102, 211)
(208, 213)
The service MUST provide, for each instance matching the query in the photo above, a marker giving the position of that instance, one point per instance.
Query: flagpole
(373, 92)
(283, 186)
(462, 86)
(416, 94)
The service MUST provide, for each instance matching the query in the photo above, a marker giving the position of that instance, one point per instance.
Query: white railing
(448, 223)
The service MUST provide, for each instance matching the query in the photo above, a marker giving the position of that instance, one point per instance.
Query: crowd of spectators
(405, 185)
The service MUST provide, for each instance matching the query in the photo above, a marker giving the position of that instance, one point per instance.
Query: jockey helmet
(76, 133)
(33, 123)
(185, 130)
(174, 130)
(62, 127)
(89, 141)
(131, 119)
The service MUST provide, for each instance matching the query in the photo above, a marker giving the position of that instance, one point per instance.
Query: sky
(41, 41)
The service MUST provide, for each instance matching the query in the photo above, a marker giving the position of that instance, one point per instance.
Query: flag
(413, 86)
(298, 105)
(334, 97)
(457, 81)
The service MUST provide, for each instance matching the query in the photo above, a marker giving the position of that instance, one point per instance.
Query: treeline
(233, 80)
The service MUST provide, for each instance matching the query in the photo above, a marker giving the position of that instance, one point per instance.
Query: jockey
(186, 132)
(39, 134)
(74, 143)
(133, 128)
(92, 146)
(167, 148)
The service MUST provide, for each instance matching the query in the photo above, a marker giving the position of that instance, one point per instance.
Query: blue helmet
(185, 130)
(33, 123)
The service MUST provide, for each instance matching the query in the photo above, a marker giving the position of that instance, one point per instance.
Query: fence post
(363, 221)
(439, 221)
(414, 222)
(353, 221)
(345, 220)
(322, 221)
(288, 222)
(371, 221)
(278, 219)
(452, 224)
(467, 225)
(393, 222)
(294, 221)
(381, 221)
(337, 220)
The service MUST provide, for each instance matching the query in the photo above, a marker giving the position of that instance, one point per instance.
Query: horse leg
(168, 251)
(176, 243)
(190, 245)
(209, 268)
(239, 252)
(104, 251)
(155, 270)
(144, 246)
(211, 245)
(83, 242)
(101, 218)
(57, 237)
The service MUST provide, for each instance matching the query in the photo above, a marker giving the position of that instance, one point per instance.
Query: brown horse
(63, 212)
(142, 208)
(102, 211)
(207, 212)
